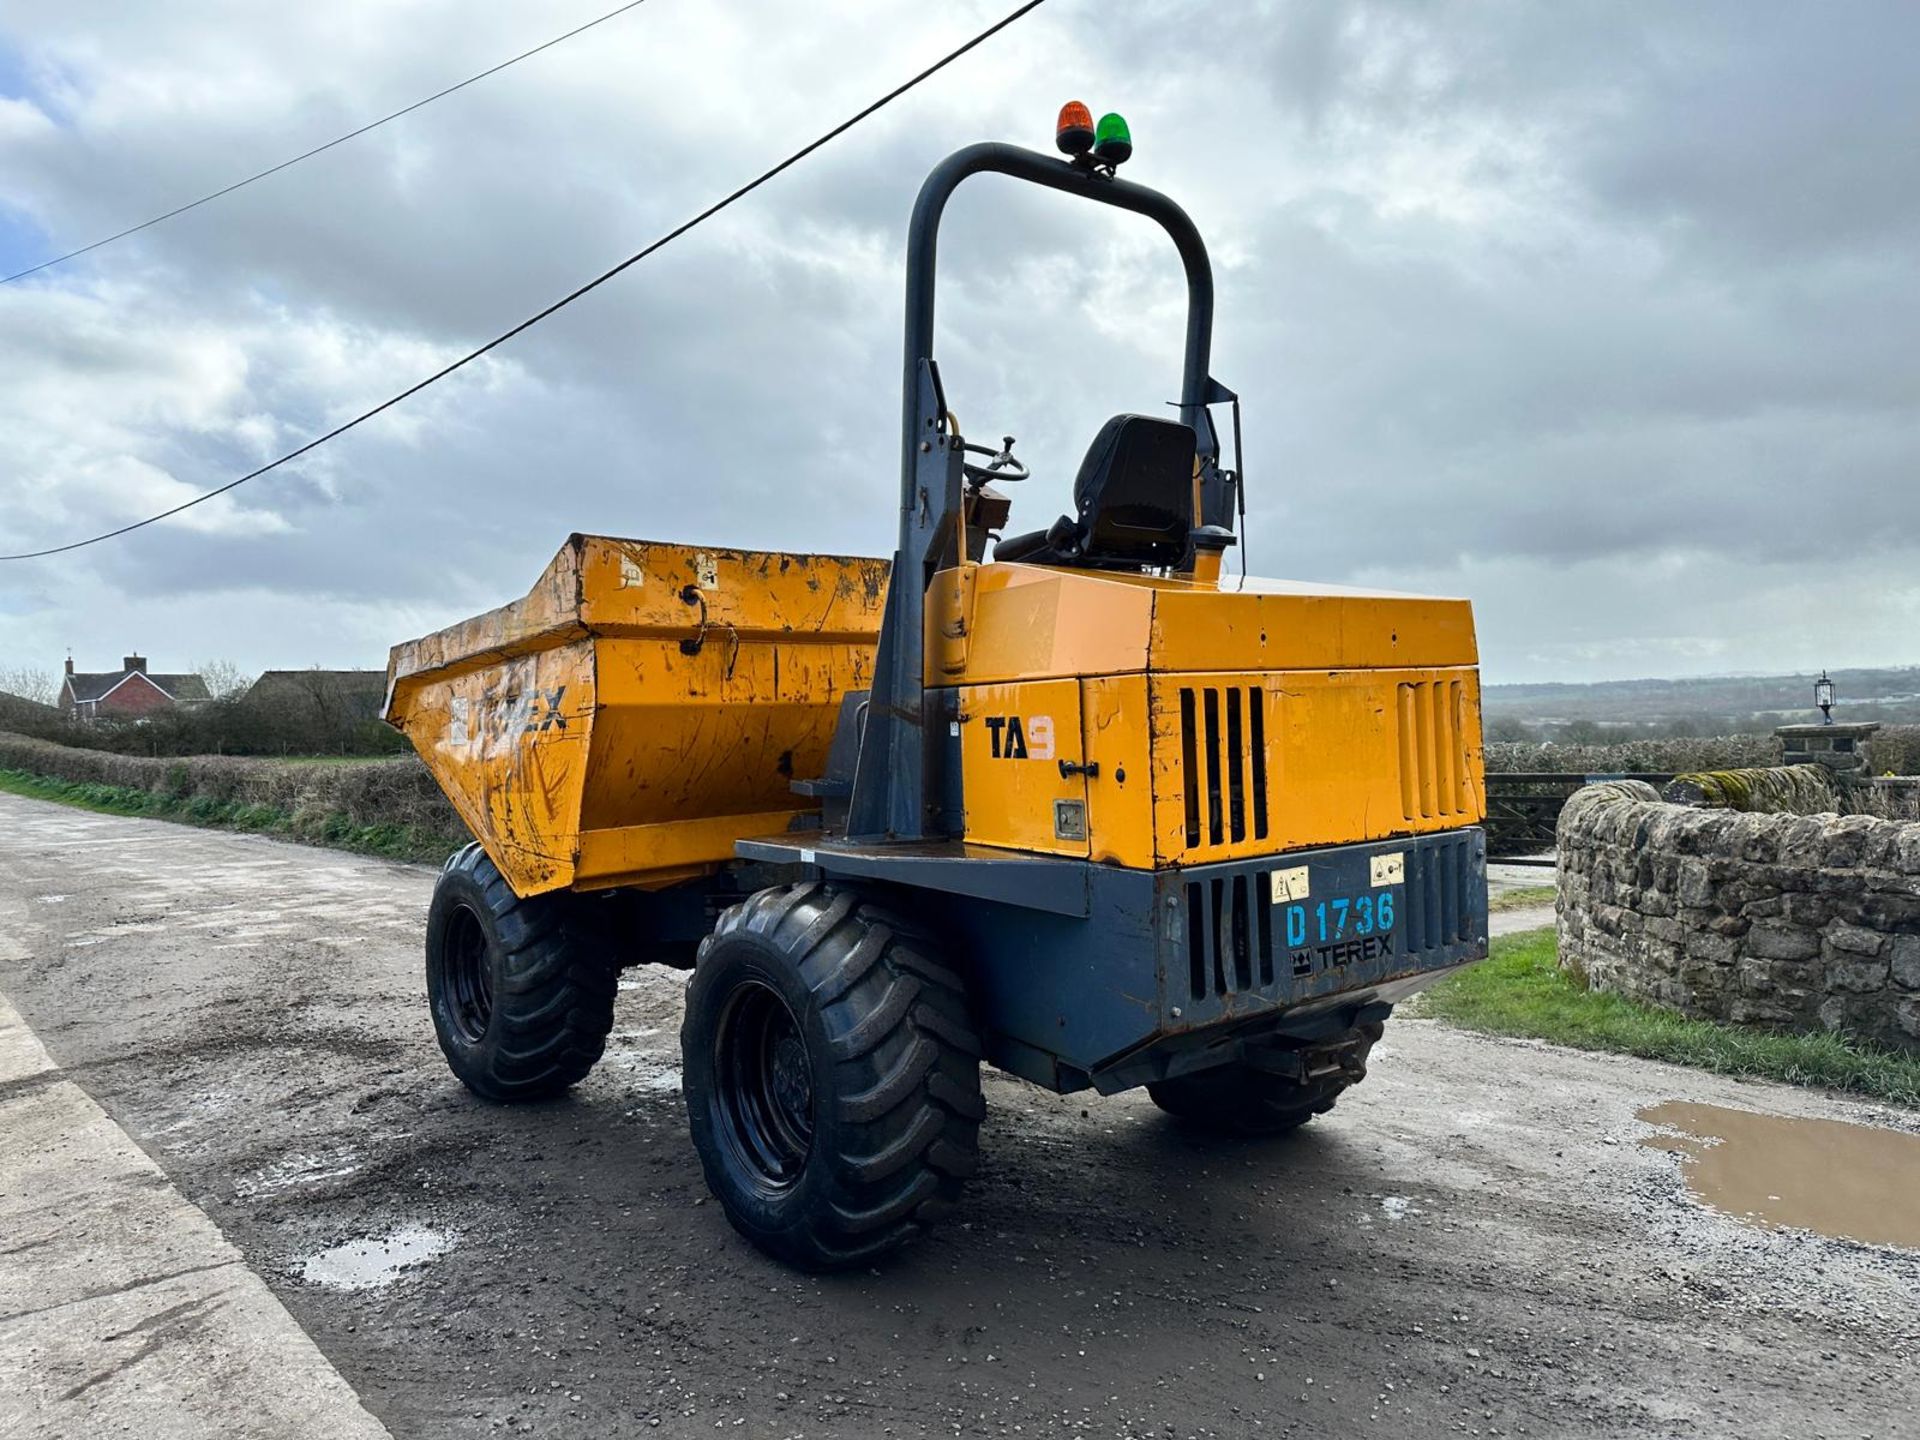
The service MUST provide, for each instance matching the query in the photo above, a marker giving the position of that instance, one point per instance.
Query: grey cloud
(1553, 304)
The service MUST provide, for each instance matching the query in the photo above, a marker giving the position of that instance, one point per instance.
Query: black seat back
(1134, 494)
(1135, 491)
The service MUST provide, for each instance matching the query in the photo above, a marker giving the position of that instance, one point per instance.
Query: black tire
(832, 1075)
(521, 993)
(1241, 1100)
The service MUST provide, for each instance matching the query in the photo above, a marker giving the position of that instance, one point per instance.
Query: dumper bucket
(643, 707)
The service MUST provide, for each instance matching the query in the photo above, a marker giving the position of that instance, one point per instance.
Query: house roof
(362, 692)
(305, 679)
(98, 684)
(17, 709)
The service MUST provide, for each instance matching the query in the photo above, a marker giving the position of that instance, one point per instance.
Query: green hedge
(1630, 757)
(1896, 748)
(387, 806)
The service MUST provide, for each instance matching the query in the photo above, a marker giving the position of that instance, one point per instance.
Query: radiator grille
(1223, 758)
(1436, 782)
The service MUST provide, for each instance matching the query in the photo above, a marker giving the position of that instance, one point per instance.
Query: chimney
(135, 662)
(69, 664)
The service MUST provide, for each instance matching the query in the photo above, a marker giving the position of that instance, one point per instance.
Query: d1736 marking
(1340, 930)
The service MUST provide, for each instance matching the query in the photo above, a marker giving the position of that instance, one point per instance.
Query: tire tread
(903, 1040)
(553, 1008)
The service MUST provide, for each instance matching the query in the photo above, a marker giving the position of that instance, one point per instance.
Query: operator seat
(1134, 494)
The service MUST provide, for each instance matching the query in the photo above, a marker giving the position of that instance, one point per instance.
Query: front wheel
(832, 1075)
(1240, 1099)
(522, 994)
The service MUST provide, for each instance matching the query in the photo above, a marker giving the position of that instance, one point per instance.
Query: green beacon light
(1111, 140)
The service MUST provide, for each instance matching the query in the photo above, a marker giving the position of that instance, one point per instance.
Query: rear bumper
(1293, 947)
(1093, 975)
(1290, 930)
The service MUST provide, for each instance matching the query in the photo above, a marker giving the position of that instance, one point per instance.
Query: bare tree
(225, 680)
(30, 684)
(326, 703)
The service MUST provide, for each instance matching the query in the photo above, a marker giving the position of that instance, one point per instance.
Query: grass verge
(1521, 990)
(392, 842)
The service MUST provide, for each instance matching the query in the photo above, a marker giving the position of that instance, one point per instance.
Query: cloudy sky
(1602, 315)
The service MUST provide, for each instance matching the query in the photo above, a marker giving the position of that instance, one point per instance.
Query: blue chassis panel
(1084, 974)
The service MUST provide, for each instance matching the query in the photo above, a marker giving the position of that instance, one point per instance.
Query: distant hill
(1714, 704)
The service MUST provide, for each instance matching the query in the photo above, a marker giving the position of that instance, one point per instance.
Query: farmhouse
(127, 693)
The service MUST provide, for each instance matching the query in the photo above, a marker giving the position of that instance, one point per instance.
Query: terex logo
(1017, 739)
(552, 719)
(505, 718)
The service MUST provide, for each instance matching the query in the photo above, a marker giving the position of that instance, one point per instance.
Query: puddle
(1850, 1182)
(369, 1264)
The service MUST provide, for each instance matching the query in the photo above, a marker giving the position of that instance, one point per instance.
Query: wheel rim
(468, 977)
(765, 1099)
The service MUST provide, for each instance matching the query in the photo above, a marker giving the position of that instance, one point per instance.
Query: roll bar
(895, 789)
(923, 240)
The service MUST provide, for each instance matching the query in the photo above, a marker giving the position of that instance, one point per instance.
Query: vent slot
(1466, 801)
(1263, 912)
(1236, 766)
(1198, 951)
(1257, 713)
(1223, 758)
(1216, 890)
(1190, 770)
(1210, 702)
(1242, 932)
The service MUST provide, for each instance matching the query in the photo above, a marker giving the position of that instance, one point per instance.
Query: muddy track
(1473, 1242)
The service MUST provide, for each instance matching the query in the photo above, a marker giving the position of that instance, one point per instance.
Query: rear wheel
(521, 993)
(832, 1075)
(1240, 1099)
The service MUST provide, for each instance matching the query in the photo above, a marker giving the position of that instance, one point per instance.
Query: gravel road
(1473, 1243)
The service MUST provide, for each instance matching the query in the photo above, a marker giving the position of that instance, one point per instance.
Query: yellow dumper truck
(1072, 801)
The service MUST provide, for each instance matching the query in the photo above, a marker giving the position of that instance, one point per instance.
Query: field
(1709, 704)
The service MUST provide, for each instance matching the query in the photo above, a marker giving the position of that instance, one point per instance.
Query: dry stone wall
(1801, 922)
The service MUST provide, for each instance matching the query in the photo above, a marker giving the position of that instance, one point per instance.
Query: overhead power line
(527, 324)
(318, 149)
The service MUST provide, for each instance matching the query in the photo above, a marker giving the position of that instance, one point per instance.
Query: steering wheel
(1000, 464)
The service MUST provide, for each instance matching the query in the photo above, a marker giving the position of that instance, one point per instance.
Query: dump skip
(1851, 1182)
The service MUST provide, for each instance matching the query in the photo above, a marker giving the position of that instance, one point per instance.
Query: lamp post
(1823, 697)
